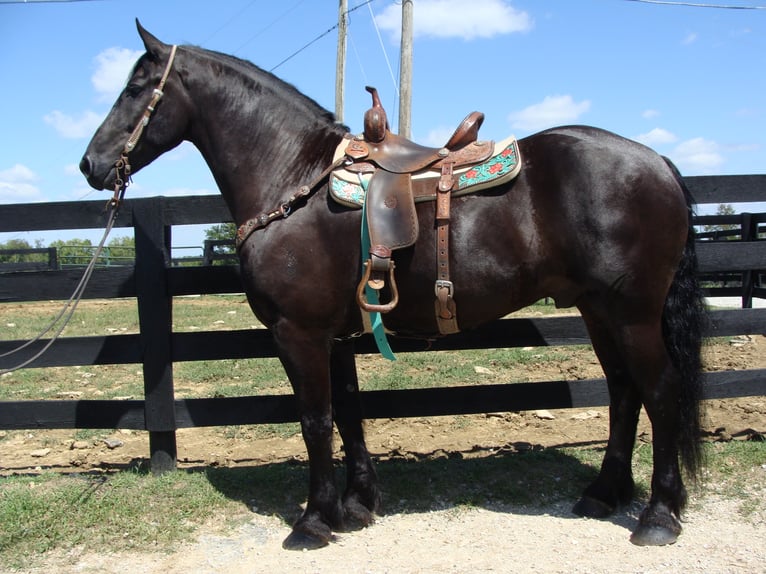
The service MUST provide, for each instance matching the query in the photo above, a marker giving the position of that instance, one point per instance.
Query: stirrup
(374, 307)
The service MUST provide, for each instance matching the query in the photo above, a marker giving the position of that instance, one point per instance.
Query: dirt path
(716, 539)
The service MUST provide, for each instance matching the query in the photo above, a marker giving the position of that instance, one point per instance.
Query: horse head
(149, 118)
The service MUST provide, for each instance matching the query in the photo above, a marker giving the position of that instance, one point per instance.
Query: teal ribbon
(378, 331)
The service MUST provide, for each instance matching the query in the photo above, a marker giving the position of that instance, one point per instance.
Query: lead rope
(121, 183)
(69, 307)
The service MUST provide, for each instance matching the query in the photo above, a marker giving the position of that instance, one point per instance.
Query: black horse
(593, 221)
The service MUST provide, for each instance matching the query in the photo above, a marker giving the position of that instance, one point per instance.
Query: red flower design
(495, 167)
(471, 174)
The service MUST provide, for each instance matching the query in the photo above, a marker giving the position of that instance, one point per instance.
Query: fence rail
(154, 282)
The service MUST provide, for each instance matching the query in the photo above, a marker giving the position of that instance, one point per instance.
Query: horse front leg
(362, 496)
(306, 359)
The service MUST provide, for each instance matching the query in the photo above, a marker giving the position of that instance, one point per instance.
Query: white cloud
(650, 114)
(112, 68)
(657, 136)
(457, 19)
(18, 172)
(552, 111)
(690, 38)
(17, 185)
(698, 155)
(72, 127)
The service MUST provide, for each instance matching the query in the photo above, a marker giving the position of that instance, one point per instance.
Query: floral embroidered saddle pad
(348, 185)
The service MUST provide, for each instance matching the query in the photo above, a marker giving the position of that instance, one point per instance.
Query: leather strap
(446, 311)
(283, 209)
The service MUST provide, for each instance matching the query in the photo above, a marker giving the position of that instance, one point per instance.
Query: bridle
(122, 165)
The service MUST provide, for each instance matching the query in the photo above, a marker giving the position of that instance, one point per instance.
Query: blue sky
(688, 81)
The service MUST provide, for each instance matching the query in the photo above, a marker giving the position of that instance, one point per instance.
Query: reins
(122, 181)
(70, 306)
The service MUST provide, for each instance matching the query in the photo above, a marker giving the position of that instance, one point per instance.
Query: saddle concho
(347, 188)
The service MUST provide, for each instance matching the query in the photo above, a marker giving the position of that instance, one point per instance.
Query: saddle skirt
(348, 187)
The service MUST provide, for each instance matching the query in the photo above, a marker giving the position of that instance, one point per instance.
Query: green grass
(449, 368)
(125, 510)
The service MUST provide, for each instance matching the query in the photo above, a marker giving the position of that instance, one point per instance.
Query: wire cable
(699, 5)
(385, 54)
(322, 35)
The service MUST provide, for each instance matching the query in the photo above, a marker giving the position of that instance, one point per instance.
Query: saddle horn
(375, 120)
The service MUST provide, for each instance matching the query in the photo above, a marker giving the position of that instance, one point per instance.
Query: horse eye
(133, 90)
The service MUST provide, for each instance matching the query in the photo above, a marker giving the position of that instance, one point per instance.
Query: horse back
(588, 211)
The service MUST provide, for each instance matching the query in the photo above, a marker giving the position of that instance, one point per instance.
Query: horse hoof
(356, 515)
(588, 507)
(653, 536)
(303, 541)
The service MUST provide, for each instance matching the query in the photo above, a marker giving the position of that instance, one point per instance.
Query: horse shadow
(516, 479)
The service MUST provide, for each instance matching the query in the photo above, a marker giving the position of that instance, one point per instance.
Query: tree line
(118, 251)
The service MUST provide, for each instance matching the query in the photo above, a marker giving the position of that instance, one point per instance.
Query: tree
(73, 251)
(723, 228)
(13, 244)
(222, 232)
(122, 250)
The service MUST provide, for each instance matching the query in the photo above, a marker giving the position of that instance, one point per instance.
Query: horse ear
(153, 46)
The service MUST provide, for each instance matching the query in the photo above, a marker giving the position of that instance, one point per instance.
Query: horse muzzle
(98, 179)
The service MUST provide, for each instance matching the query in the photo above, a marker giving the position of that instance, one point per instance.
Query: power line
(268, 26)
(699, 5)
(322, 35)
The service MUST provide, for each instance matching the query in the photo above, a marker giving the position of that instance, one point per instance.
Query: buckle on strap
(439, 288)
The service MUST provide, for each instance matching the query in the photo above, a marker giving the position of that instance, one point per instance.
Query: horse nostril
(85, 166)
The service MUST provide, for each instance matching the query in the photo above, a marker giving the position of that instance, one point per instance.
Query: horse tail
(684, 322)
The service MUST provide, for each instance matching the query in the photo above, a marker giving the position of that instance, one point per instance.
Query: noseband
(122, 165)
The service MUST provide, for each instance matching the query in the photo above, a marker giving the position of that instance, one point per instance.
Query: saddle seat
(397, 154)
(387, 173)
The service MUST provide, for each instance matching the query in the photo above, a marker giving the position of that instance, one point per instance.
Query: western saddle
(389, 161)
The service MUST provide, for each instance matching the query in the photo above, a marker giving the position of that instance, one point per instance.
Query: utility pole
(340, 62)
(405, 70)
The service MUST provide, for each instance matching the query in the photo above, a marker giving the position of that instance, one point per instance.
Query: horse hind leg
(638, 371)
(660, 382)
(362, 496)
(614, 485)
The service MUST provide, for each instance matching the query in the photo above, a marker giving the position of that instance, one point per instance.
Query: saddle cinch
(387, 174)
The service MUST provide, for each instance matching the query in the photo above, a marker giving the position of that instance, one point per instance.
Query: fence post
(155, 319)
(207, 254)
(749, 233)
(53, 259)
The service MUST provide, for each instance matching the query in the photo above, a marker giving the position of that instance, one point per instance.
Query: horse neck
(260, 137)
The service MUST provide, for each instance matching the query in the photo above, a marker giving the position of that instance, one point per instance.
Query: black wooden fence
(154, 282)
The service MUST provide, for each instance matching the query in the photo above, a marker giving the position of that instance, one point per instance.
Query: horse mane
(256, 78)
